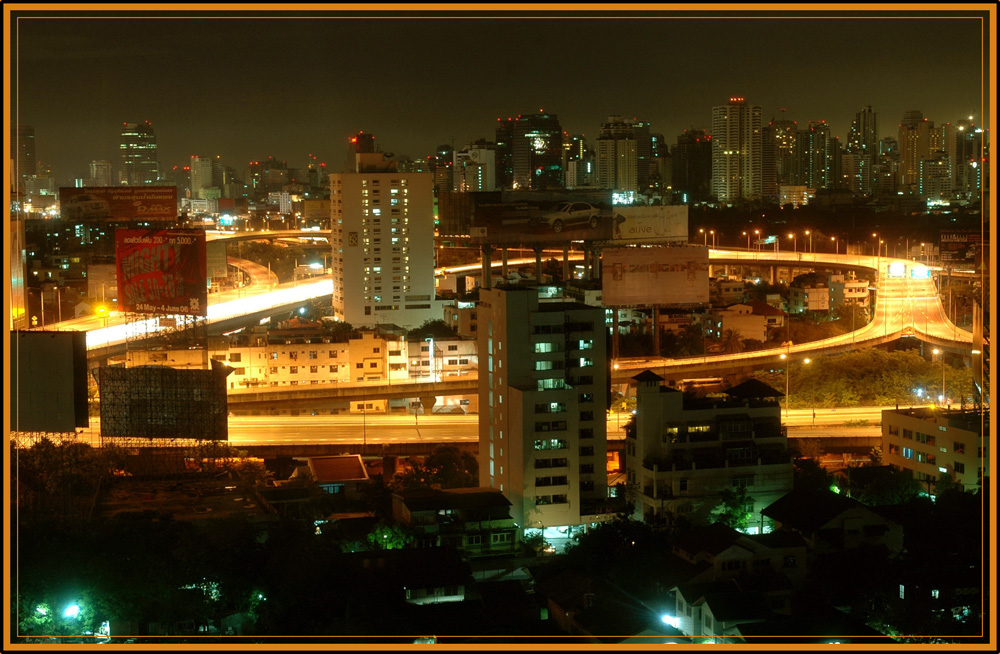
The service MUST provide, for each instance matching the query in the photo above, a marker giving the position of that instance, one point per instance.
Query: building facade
(737, 152)
(933, 442)
(382, 233)
(681, 453)
(139, 165)
(542, 391)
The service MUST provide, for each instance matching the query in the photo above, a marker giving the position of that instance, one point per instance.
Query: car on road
(570, 213)
(83, 206)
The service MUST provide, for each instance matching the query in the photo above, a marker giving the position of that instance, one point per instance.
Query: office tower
(22, 138)
(138, 155)
(914, 145)
(965, 148)
(443, 170)
(382, 237)
(737, 156)
(660, 165)
(542, 389)
(537, 152)
(624, 155)
(778, 166)
(616, 156)
(505, 153)
(100, 173)
(577, 162)
(201, 176)
(475, 169)
(692, 167)
(885, 169)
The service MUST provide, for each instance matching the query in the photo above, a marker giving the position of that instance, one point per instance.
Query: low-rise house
(809, 292)
(712, 610)
(830, 522)
(774, 317)
(731, 553)
(343, 474)
(475, 521)
(741, 319)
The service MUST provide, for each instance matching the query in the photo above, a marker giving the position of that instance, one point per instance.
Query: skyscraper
(914, 145)
(100, 173)
(542, 390)
(505, 153)
(737, 152)
(382, 233)
(779, 163)
(537, 152)
(22, 138)
(138, 155)
(862, 146)
(818, 154)
(692, 166)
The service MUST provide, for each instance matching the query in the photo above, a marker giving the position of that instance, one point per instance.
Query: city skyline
(211, 91)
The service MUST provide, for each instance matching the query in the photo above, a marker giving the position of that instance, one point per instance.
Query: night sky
(247, 88)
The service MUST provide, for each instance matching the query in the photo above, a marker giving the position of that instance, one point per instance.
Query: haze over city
(287, 85)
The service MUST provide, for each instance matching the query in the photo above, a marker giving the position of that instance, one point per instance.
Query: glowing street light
(72, 611)
(944, 390)
(809, 234)
(795, 242)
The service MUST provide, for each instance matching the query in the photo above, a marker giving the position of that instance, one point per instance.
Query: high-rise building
(818, 155)
(936, 178)
(382, 233)
(100, 173)
(542, 388)
(475, 169)
(505, 153)
(692, 167)
(862, 145)
(778, 166)
(443, 164)
(914, 145)
(22, 145)
(537, 152)
(139, 166)
(737, 152)
(201, 176)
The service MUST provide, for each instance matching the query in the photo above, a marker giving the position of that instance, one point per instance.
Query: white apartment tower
(737, 152)
(382, 235)
(542, 391)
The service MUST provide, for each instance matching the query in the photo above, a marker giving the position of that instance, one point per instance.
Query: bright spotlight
(72, 611)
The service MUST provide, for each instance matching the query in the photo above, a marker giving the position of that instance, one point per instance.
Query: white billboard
(651, 224)
(648, 276)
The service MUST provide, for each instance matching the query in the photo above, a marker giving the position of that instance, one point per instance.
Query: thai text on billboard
(651, 224)
(652, 276)
(156, 402)
(958, 246)
(161, 271)
(119, 203)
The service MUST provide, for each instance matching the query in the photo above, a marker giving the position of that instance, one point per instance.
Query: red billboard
(161, 271)
(119, 203)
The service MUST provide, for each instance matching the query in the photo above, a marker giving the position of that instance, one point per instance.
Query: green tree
(731, 341)
(734, 509)
(452, 467)
(386, 536)
(431, 329)
(809, 475)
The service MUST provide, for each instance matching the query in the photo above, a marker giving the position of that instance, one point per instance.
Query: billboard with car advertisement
(664, 224)
(119, 203)
(654, 276)
(508, 218)
(161, 271)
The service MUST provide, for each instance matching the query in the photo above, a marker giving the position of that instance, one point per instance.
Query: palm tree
(731, 341)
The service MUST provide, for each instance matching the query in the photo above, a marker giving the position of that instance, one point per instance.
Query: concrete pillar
(597, 263)
(586, 263)
(614, 333)
(538, 263)
(656, 331)
(486, 259)
(566, 276)
(772, 275)
(503, 266)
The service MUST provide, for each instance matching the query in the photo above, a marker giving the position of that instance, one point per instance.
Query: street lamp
(701, 230)
(795, 242)
(747, 234)
(712, 232)
(756, 234)
(941, 398)
(787, 360)
(836, 245)
(809, 234)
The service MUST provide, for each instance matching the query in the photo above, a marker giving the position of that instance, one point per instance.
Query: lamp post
(836, 245)
(701, 230)
(747, 234)
(809, 234)
(786, 358)
(941, 399)
(712, 232)
(756, 234)
(795, 242)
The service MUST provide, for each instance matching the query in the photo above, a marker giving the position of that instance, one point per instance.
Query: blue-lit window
(907, 453)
